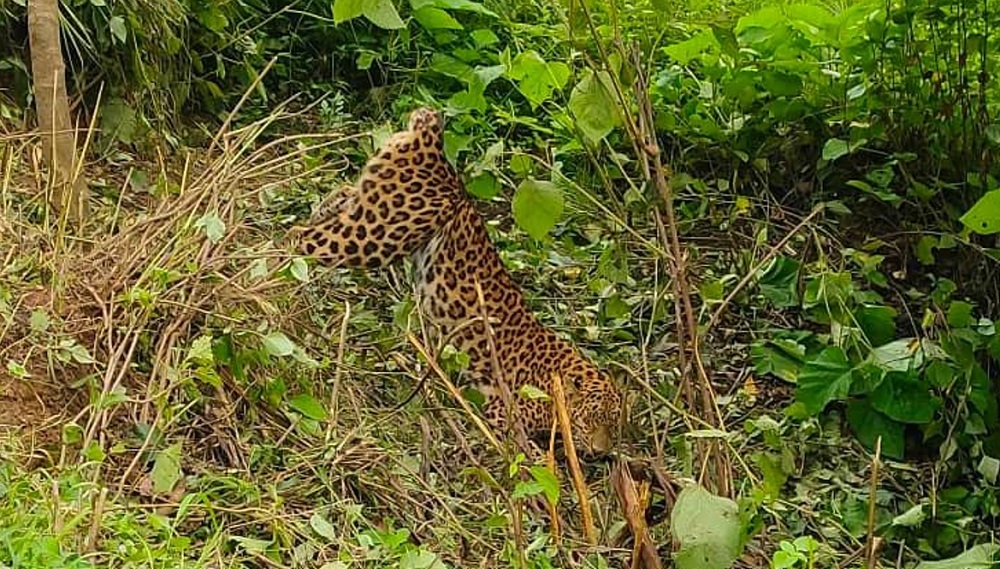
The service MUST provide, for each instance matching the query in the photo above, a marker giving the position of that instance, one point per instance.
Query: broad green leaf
(118, 119)
(959, 314)
(878, 322)
(278, 344)
(39, 320)
(781, 84)
(781, 357)
(213, 18)
(436, 19)
(976, 557)
(900, 355)
(537, 79)
(322, 527)
(911, 518)
(117, 25)
(989, 467)
(548, 481)
(868, 425)
(344, 10)
(484, 186)
(904, 398)
(484, 37)
(779, 282)
(299, 269)
(465, 5)
(382, 13)
(166, 469)
(308, 406)
(835, 148)
(924, 249)
(984, 217)
(420, 559)
(687, 50)
(706, 528)
(537, 207)
(212, 225)
(593, 104)
(824, 379)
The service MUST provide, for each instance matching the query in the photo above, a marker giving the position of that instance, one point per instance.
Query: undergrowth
(196, 395)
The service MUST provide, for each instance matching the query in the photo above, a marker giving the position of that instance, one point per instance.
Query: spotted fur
(410, 202)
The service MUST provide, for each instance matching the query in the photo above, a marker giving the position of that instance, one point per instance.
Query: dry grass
(152, 276)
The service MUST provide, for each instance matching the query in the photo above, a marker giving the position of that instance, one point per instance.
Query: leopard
(410, 202)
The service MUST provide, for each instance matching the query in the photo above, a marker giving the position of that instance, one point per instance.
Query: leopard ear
(426, 118)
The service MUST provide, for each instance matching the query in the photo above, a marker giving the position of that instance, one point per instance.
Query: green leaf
(984, 217)
(484, 37)
(537, 207)
(687, 50)
(212, 225)
(924, 249)
(166, 469)
(911, 518)
(420, 559)
(382, 13)
(278, 344)
(484, 186)
(989, 468)
(344, 10)
(868, 424)
(903, 354)
(904, 398)
(835, 148)
(308, 406)
(781, 357)
(465, 5)
(878, 322)
(779, 281)
(299, 269)
(782, 84)
(213, 18)
(548, 481)
(976, 557)
(706, 528)
(594, 106)
(118, 119)
(39, 320)
(824, 379)
(436, 19)
(960, 314)
(17, 370)
(537, 79)
(117, 25)
(322, 527)
(529, 391)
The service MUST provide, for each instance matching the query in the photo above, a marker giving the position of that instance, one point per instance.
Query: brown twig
(562, 414)
(634, 503)
(872, 545)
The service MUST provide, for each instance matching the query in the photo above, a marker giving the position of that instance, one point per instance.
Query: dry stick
(634, 504)
(757, 267)
(559, 397)
(550, 462)
(338, 374)
(95, 523)
(871, 548)
(455, 393)
(688, 332)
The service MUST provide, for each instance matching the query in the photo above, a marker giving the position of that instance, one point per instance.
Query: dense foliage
(874, 124)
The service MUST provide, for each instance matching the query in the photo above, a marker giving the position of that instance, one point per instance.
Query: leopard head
(595, 411)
